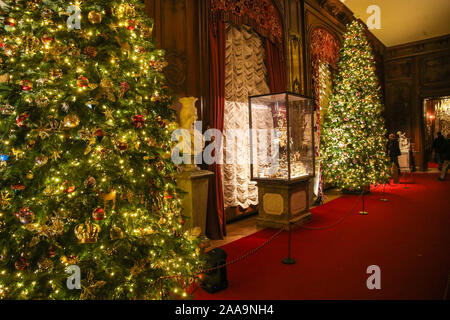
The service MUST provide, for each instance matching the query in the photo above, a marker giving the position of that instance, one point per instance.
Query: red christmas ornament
(161, 122)
(21, 264)
(140, 50)
(82, 82)
(99, 214)
(25, 215)
(20, 120)
(167, 196)
(99, 134)
(51, 253)
(46, 39)
(18, 187)
(10, 21)
(27, 85)
(138, 121)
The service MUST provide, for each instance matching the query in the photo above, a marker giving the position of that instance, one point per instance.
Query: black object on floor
(215, 280)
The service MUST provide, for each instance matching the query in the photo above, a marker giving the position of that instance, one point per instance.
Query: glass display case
(282, 137)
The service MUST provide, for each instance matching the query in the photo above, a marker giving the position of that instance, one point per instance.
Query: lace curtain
(245, 75)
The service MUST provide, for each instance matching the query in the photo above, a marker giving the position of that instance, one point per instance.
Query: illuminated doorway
(436, 112)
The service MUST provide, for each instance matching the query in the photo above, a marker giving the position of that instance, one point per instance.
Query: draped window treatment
(245, 75)
(263, 16)
(215, 220)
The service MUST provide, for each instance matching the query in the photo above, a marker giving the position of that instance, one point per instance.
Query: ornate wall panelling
(322, 14)
(333, 16)
(296, 47)
(415, 71)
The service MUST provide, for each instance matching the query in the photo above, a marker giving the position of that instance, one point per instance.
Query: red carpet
(407, 237)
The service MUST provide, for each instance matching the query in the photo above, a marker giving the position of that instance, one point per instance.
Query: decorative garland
(261, 15)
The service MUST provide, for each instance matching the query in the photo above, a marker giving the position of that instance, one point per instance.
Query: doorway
(436, 113)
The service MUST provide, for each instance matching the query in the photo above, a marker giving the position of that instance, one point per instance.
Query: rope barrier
(253, 251)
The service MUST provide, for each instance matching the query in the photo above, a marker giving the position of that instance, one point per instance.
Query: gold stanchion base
(364, 213)
(384, 200)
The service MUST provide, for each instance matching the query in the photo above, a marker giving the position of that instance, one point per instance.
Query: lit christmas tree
(353, 142)
(86, 173)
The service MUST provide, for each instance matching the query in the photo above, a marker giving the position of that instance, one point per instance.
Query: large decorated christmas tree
(86, 176)
(353, 142)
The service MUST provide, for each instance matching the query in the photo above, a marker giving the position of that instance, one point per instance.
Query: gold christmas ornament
(30, 175)
(55, 74)
(33, 4)
(94, 17)
(45, 264)
(4, 78)
(87, 232)
(41, 160)
(46, 13)
(71, 259)
(111, 196)
(106, 90)
(10, 49)
(42, 101)
(71, 120)
(90, 182)
(73, 50)
(5, 200)
(122, 145)
(31, 44)
(125, 10)
(91, 52)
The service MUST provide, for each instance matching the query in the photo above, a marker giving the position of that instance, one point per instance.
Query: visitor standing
(445, 158)
(393, 150)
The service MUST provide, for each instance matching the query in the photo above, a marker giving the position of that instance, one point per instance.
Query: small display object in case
(282, 137)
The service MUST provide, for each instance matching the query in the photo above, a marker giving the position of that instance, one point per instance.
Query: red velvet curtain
(215, 221)
(276, 66)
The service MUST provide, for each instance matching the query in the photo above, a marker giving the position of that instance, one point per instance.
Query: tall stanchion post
(289, 259)
(384, 194)
(363, 212)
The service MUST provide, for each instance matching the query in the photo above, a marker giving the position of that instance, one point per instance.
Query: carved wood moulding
(419, 48)
(262, 15)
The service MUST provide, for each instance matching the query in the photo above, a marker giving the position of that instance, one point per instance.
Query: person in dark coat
(393, 150)
(439, 149)
(446, 159)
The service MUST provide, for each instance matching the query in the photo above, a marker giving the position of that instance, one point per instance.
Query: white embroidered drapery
(245, 75)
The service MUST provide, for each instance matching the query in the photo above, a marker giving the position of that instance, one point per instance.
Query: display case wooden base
(283, 203)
